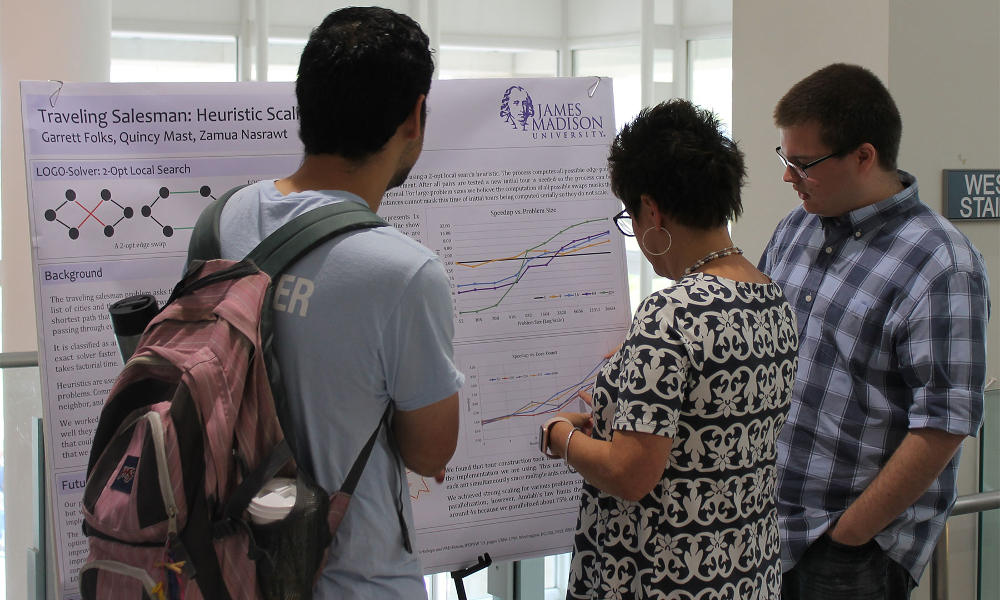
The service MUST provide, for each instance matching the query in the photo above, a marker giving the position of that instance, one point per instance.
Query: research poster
(511, 192)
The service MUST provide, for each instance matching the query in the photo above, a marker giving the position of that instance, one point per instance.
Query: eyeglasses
(800, 170)
(624, 223)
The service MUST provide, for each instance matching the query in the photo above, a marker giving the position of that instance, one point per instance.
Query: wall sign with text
(972, 194)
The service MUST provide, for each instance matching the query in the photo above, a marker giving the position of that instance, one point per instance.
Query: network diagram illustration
(111, 216)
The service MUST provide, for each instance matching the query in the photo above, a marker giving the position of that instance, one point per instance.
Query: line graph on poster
(551, 268)
(508, 394)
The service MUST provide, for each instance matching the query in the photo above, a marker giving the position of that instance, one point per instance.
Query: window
(710, 68)
(623, 65)
(283, 58)
(442, 587)
(481, 63)
(710, 63)
(557, 575)
(172, 57)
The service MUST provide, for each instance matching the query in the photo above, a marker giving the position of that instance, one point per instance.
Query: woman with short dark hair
(678, 454)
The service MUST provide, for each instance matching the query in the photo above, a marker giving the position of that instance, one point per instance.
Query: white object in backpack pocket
(273, 502)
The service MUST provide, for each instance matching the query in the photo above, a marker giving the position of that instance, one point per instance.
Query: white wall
(704, 13)
(941, 61)
(944, 72)
(775, 44)
(598, 17)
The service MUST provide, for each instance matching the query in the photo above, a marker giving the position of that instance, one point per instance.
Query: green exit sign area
(972, 194)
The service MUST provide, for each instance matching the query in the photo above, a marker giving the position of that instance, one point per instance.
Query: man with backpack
(364, 320)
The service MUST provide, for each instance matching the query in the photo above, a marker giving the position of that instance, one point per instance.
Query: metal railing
(965, 505)
(16, 360)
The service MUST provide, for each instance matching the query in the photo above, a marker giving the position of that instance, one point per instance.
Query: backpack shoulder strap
(273, 256)
(276, 253)
(204, 244)
(297, 237)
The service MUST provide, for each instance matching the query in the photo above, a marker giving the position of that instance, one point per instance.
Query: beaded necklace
(712, 256)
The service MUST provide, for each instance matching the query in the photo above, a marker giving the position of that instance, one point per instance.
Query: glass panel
(622, 65)
(710, 65)
(283, 58)
(20, 389)
(557, 575)
(3, 504)
(475, 586)
(482, 63)
(663, 65)
(440, 586)
(634, 257)
(711, 72)
(453, 63)
(657, 283)
(989, 522)
(172, 57)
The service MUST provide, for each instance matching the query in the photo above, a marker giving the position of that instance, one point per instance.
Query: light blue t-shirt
(362, 321)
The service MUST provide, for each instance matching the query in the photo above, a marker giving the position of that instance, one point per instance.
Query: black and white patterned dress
(710, 363)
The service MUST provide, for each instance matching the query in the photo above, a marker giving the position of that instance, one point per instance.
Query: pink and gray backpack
(194, 427)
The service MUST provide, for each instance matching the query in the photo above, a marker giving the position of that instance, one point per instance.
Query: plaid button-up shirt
(892, 304)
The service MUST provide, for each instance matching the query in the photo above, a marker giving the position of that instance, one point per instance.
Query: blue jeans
(833, 571)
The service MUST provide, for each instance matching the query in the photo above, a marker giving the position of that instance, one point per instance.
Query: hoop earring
(669, 243)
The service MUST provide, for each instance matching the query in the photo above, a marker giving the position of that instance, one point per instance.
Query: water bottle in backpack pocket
(296, 542)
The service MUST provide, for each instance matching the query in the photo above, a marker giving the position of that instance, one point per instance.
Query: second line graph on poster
(509, 393)
(531, 269)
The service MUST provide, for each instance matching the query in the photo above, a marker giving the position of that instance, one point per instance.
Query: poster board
(511, 191)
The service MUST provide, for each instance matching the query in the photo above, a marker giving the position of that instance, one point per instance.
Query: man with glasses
(892, 304)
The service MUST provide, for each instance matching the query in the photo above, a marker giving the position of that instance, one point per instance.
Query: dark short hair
(851, 106)
(676, 153)
(359, 77)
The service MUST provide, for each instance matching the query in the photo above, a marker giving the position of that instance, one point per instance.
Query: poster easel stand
(461, 574)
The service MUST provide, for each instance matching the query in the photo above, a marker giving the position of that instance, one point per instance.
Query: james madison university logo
(550, 118)
(516, 107)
